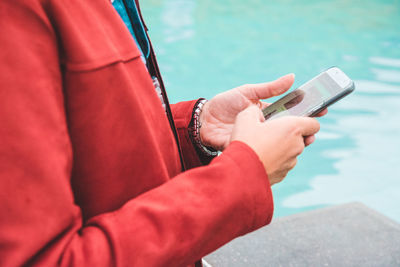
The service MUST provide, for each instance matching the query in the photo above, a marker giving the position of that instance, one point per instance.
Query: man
(95, 172)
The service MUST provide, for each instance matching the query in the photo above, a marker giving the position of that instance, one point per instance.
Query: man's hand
(277, 142)
(219, 114)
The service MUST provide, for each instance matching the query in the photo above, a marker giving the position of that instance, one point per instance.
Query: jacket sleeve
(173, 224)
(182, 113)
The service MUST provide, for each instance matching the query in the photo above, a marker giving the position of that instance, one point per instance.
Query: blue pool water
(205, 47)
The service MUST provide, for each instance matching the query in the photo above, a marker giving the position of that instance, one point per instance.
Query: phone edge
(346, 92)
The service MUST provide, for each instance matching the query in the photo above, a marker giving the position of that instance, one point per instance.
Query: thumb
(269, 89)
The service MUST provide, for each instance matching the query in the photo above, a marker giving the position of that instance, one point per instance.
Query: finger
(293, 164)
(269, 89)
(308, 140)
(322, 113)
(308, 126)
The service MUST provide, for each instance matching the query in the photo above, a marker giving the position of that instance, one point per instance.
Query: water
(206, 47)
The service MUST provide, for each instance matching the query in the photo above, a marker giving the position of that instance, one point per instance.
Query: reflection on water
(376, 88)
(386, 75)
(388, 62)
(205, 47)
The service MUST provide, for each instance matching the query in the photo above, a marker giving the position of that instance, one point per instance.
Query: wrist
(202, 121)
(195, 129)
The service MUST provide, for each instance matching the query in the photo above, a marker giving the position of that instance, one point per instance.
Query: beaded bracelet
(194, 129)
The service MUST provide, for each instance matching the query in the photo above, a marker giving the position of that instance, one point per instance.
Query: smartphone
(312, 97)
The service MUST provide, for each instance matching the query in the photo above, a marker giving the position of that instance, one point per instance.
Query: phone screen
(306, 98)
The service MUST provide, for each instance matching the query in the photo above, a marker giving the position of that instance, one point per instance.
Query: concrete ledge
(345, 235)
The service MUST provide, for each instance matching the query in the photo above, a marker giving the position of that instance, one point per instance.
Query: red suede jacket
(89, 167)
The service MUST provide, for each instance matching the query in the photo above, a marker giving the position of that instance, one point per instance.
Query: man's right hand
(277, 142)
